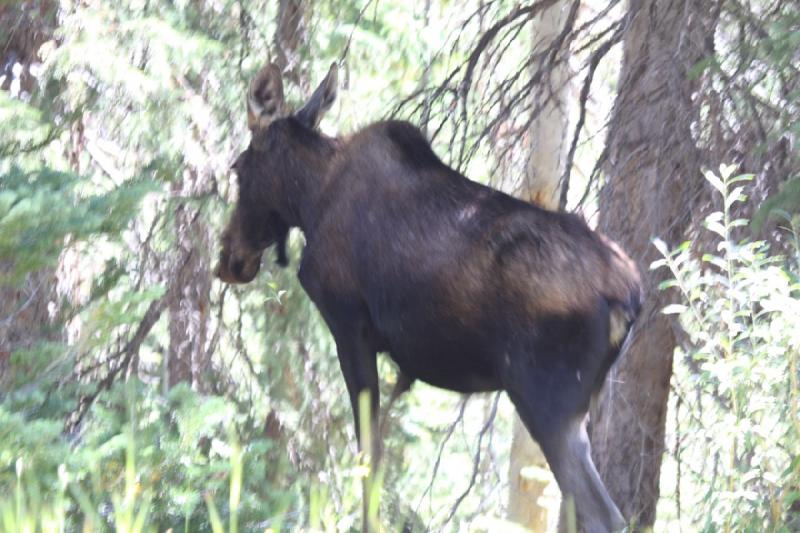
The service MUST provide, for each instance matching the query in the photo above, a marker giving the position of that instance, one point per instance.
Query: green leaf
(661, 246)
(717, 228)
(715, 181)
(674, 309)
(740, 178)
(726, 171)
(717, 261)
(667, 284)
(736, 195)
(213, 514)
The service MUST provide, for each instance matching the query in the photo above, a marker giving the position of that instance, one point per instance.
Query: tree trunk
(188, 305)
(653, 177)
(25, 317)
(24, 314)
(529, 476)
(24, 27)
(290, 35)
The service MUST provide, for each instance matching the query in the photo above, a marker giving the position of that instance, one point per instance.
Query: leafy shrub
(735, 386)
(142, 459)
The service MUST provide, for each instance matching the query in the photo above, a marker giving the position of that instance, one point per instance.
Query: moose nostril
(237, 268)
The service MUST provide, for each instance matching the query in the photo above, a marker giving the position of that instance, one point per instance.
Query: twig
(352, 31)
(10, 318)
(477, 459)
(450, 430)
(594, 61)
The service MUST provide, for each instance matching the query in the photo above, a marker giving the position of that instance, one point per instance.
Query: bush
(735, 385)
(142, 460)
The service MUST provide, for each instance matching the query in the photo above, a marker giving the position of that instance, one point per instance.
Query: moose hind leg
(578, 479)
(555, 415)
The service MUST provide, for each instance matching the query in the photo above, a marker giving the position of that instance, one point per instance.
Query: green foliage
(40, 210)
(152, 460)
(150, 463)
(735, 386)
(24, 128)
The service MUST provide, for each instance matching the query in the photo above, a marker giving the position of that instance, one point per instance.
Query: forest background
(138, 393)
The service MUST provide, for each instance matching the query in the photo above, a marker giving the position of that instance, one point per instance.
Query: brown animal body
(465, 287)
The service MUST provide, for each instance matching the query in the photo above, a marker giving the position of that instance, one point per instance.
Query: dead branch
(594, 61)
(449, 433)
(127, 353)
(476, 462)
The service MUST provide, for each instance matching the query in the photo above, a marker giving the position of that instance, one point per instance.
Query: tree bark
(188, 301)
(24, 27)
(25, 317)
(653, 179)
(529, 476)
(290, 35)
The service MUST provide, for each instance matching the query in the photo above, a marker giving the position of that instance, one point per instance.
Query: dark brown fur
(465, 287)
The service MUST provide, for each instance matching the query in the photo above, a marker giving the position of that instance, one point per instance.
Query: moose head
(284, 159)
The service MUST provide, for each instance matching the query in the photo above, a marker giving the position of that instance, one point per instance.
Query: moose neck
(306, 177)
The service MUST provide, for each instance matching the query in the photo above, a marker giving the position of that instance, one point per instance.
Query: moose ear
(322, 100)
(265, 98)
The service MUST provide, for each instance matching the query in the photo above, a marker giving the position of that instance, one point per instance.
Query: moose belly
(433, 336)
(450, 359)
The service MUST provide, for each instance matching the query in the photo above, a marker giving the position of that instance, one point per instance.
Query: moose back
(465, 287)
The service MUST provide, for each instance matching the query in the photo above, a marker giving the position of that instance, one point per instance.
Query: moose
(466, 288)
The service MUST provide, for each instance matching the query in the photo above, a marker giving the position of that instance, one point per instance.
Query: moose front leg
(357, 349)
(358, 361)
